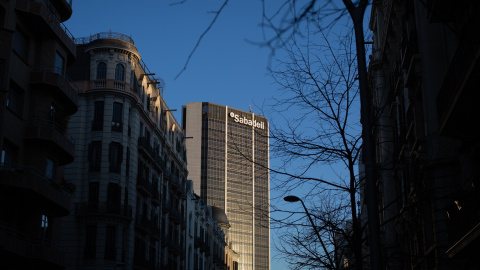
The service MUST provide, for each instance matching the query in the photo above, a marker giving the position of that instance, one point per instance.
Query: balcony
(64, 8)
(49, 16)
(176, 216)
(177, 184)
(40, 252)
(175, 247)
(200, 243)
(145, 147)
(102, 209)
(159, 162)
(50, 135)
(17, 183)
(54, 80)
(456, 97)
(144, 186)
(148, 226)
(445, 11)
(464, 225)
(140, 262)
(165, 207)
(109, 84)
(156, 197)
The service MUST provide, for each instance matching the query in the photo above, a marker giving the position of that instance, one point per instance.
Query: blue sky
(225, 69)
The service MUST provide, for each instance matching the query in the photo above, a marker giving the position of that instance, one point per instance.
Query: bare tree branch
(217, 14)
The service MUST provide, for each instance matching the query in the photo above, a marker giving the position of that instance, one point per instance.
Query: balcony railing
(148, 225)
(104, 208)
(176, 216)
(101, 35)
(145, 185)
(29, 178)
(144, 145)
(31, 247)
(48, 13)
(55, 76)
(140, 261)
(156, 196)
(460, 68)
(464, 222)
(175, 247)
(47, 130)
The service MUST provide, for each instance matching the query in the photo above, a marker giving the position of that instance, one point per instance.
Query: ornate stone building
(207, 244)
(130, 167)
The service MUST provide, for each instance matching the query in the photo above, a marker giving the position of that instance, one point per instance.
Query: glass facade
(234, 176)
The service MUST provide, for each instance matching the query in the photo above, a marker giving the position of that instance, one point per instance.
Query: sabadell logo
(245, 121)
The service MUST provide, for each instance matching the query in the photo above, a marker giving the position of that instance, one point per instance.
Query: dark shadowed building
(424, 73)
(36, 101)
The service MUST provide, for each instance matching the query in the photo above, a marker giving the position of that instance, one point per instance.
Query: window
(148, 102)
(46, 232)
(101, 71)
(120, 72)
(98, 116)
(21, 44)
(117, 117)
(93, 190)
(15, 99)
(90, 242)
(2, 70)
(115, 157)
(95, 156)
(147, 136)
(50, 169)
(110, 243)
(59, 64)
(127, 162)
(9, 155)
(53, 110)
(113, 198)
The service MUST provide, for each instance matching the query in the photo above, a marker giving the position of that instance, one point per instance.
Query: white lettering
(245, 121)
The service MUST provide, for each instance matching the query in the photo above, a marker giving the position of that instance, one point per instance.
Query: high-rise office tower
(228, 158)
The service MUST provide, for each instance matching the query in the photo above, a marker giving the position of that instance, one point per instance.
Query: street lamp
(292, 198)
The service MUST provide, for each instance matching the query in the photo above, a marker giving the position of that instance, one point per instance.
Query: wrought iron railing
(110, 34)
(52, 11)
(64, 186)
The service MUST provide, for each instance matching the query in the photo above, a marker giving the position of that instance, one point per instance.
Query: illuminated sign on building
(243, 120)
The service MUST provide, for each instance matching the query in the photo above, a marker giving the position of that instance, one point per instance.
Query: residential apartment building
(36, 101)
(424, 71)
(130, 167)
(228, 158)
(206, 242)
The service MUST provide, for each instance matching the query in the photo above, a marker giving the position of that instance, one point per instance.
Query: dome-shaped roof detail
(220, 217)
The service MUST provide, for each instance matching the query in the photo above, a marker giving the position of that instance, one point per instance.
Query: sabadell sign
(245, 121)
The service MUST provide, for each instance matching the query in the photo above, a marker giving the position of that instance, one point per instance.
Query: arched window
(101, 71)
(120, 72)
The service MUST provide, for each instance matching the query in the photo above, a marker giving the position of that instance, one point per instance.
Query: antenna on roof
(250, 108)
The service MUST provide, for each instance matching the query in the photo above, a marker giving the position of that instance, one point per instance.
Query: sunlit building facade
(228, 158)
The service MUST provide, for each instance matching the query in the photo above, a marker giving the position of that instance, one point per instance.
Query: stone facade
(130, 167)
